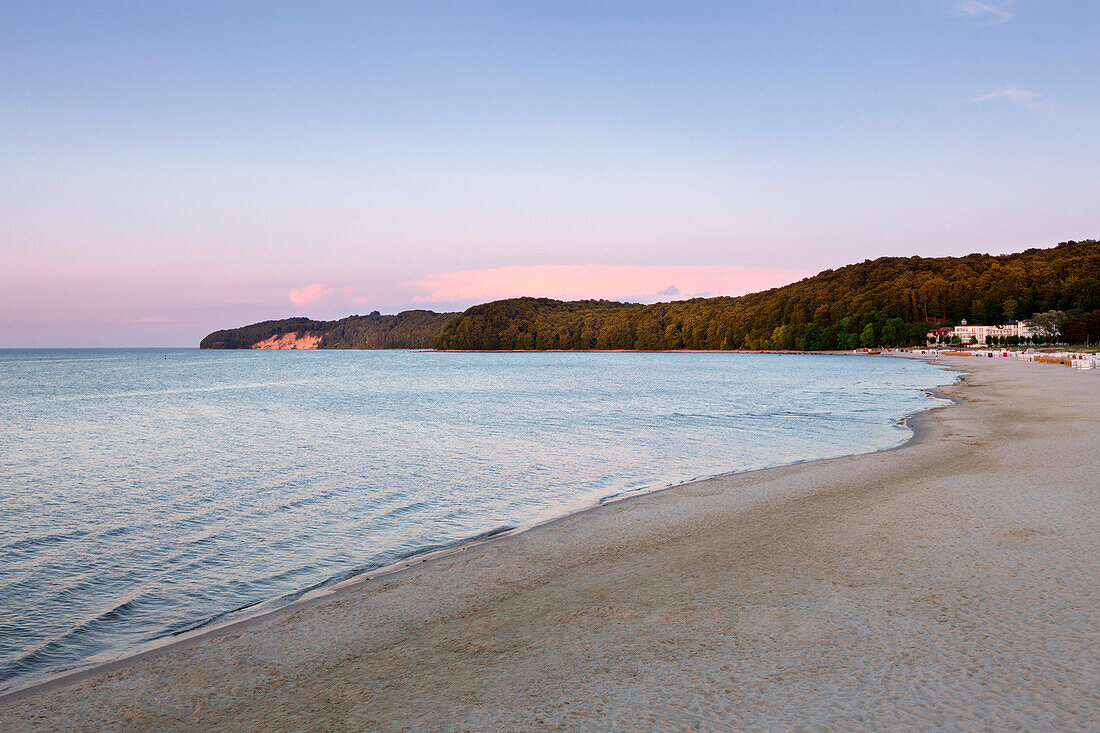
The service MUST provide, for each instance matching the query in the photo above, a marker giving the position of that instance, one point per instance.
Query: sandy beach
(953, 582)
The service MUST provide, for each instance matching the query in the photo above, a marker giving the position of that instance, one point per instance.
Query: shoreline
(328, 589)
(941, 583)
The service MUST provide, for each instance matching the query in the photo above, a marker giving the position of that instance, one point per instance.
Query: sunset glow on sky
(171, 169)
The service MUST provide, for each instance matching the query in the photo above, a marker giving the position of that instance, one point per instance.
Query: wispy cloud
(1012, 93)
(618, 282)
(310, 294)
(987, 13)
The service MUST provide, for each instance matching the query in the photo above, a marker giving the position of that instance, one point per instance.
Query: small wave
(161, 392)
(304, 501)
(401, 511)
(487, 534)
(62, 647)
(213, 561)
(768, 414)
(32, 543)
(186, 626)
(287, 598)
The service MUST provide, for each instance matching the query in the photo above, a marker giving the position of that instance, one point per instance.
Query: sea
(148, 493)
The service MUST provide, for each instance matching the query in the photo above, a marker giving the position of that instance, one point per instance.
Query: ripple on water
(147, 496)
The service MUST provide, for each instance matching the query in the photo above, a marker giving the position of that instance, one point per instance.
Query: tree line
(890, 301)
(415, 329)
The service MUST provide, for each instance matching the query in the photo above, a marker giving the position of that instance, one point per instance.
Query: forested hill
(415, 329)
(890, 301)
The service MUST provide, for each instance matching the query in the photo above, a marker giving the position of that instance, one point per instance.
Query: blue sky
(172, 169)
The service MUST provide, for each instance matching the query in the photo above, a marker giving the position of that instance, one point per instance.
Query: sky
(169, 169)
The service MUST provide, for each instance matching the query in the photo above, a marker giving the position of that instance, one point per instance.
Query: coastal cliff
(413, 329)
(890, 301)
(292, 340)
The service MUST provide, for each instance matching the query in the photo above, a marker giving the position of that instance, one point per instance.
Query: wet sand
(952, 582)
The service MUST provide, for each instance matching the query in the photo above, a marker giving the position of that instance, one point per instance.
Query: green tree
(867, 338)
(1049, 325)
(782, 338)
(893, 332)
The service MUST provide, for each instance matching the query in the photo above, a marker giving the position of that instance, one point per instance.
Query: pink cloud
(310, 294)
(616, 282)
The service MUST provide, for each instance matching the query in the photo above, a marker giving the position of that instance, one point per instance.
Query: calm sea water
(146, 493)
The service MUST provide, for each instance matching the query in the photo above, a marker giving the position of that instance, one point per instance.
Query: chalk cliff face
(415, 329)
(292, 340)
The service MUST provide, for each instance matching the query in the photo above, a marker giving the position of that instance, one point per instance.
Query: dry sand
(954, 582)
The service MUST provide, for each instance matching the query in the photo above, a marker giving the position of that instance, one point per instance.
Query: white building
(968, 334)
